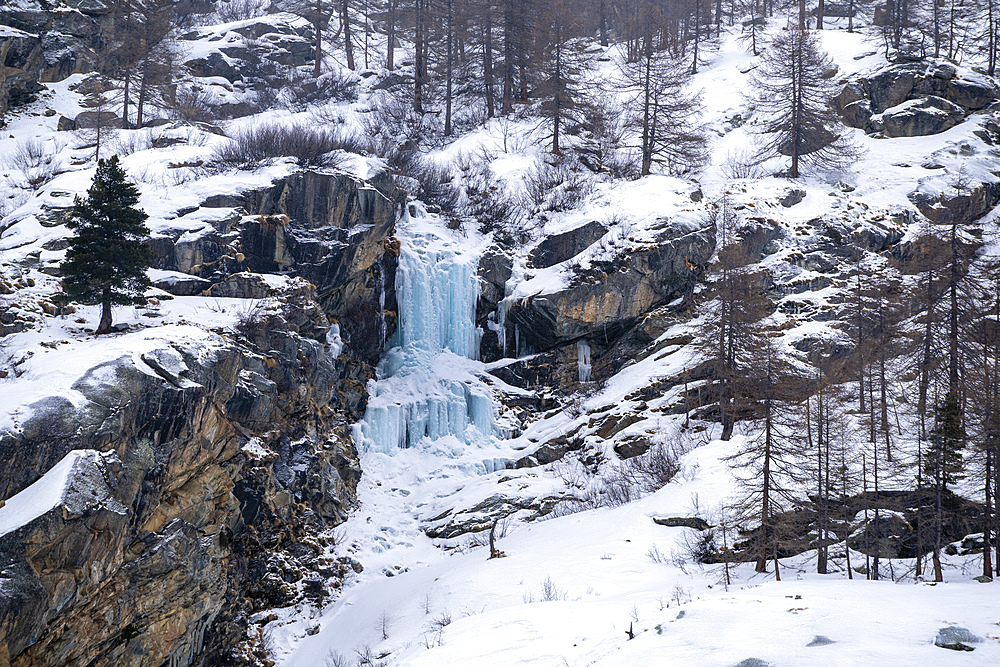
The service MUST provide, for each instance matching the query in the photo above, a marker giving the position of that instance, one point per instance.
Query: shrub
(311, 147)
(557, 187)
(32, 159)
(240, 10)
(333, 87)
(488, 202)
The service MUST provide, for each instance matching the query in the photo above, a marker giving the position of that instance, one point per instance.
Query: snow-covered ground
(569, 588)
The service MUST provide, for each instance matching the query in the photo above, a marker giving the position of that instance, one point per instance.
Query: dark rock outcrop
(694, 522)
(604, 301)
(560, 247)
(332, 229)
(21, 62)
(198, 475)
(943, 94)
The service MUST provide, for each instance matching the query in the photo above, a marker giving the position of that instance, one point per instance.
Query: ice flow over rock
(428, 387)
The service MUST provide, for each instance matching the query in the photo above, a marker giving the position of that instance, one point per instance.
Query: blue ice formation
(427, 387)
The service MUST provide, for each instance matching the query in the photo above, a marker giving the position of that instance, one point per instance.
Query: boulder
(181, 285)
(873, 94)
(857, 114)
(793, 197)
(957, 638)
(88, 120)
(214, 64)
(821, 640)
(248, 286)
(632, 446)
(917, 118)
(697, 523)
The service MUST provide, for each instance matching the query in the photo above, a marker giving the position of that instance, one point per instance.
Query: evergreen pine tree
(107, 257)
(943, 465)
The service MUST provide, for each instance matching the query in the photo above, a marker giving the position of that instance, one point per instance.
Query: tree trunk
(418, 49)
(141, 102)
(604, 22)
(317, 24)
(509, 21)
(449, 63)
(345, 20)
(938, 514)
(557, 102)
(953, 279)
(697, 35)
(647, 153)
(125, 99)
(105, 325)
(765, 515)
(488, 60)
(390, 49)
(988, 512)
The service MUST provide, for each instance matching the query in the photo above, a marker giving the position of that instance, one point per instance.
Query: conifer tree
(792, 93)
(943, 464)
(107, 257)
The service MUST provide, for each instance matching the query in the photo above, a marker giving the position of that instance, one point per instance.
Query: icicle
(502, 323)
(583, 360)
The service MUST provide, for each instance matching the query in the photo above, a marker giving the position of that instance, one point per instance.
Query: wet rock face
(607, 300)
(202, 474)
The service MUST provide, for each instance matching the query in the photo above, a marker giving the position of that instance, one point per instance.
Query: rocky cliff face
(20, 64)
(155, 551)
(200, 474)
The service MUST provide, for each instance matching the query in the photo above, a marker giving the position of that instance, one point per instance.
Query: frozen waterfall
(428, 386)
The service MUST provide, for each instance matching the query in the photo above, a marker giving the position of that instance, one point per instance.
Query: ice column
(428, 387)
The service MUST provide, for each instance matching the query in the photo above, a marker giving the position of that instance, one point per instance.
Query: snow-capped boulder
(945, 94)
(916, 118)
(957, 638)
